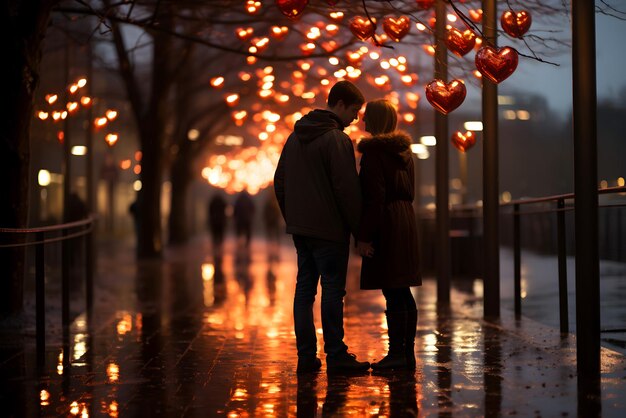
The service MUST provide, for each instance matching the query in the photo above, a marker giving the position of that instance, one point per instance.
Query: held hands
(365, 249)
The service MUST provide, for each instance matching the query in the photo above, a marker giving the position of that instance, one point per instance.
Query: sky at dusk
(555, 83)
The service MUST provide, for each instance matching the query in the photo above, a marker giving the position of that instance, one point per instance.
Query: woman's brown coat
(388, 220)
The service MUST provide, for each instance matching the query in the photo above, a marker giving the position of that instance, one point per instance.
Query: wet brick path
(196, 335)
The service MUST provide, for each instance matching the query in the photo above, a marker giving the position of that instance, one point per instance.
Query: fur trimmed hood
(396, 143)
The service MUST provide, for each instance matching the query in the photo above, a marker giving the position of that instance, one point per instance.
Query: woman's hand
(365, 249)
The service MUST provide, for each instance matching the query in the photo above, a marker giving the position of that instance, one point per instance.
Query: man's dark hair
(346, 92)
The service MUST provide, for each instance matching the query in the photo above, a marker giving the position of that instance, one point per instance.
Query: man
(317, 188)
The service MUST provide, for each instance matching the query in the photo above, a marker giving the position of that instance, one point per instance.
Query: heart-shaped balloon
(445, 97)
(476, 15)
(291, 8)
(463, 141)
(496, 64)
(425, 4)
(396, 28)
(460, 42)
(516, 24)
(362, 27)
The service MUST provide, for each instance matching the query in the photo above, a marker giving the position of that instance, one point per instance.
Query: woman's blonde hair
(381, 116)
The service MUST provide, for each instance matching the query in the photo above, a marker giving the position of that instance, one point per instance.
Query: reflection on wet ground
(204, 335)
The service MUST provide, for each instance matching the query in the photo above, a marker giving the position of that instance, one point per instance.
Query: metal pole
(463, 176)
(443, 259)
(586, 190)
(491, 264)
(67, 190)
(90, 238)
(517, 261)
(562, 257)
(40, 302)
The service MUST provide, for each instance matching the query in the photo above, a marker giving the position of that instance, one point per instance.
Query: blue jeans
(328, 259)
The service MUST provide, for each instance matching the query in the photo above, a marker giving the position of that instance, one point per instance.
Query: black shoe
(346, 362)
(309, 365)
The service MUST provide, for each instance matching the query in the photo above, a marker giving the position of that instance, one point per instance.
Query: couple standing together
(324, 200)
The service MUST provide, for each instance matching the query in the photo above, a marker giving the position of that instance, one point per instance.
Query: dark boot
(409, 338)
(396, 356)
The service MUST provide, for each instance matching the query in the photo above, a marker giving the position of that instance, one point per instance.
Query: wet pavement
(199, 335)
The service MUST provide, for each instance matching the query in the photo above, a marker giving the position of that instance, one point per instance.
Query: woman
(387, 238)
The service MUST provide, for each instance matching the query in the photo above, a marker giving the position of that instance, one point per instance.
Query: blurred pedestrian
(271, 220)
(317, 187)
(387, 237)
(244, 214)
(217, 220)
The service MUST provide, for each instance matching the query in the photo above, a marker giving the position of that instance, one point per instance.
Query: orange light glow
(409, 79)
(113, 372)
(253, 6)
(72, 106)
(85, 100)
(232, 99)
(279, 32)
(56, 115)
(217, 81)
(73, 88)
(44, 397)
(125, 164)
(111, 114)
(336, 15)
(51, 98)
(408, 117)
(100, 122)
(61, 136)
(111, 139)
(137, 169)
(138, 155)
(307, 48)
(42, 115)
(82, 82)
(239, 116)
(244, 34)
(429, 49)
(251, 60)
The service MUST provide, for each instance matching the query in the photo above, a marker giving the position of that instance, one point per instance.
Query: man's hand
(365, 249)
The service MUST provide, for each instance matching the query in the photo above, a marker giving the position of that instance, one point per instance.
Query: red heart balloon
(362, 27)
(463, 141)
(396, 28)
(445, 97)
(291, 8)
(498, 64)
(460, 42)
(476, 15)
(425, 4)
(516, 24)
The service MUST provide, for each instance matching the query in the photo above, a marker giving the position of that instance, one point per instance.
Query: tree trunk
(24, 25)
(152, 137)
(178, 220)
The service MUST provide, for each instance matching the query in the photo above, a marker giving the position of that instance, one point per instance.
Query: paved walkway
(194, 335)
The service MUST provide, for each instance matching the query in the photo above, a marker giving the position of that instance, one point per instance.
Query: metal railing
(39, 238)
(560, 209)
